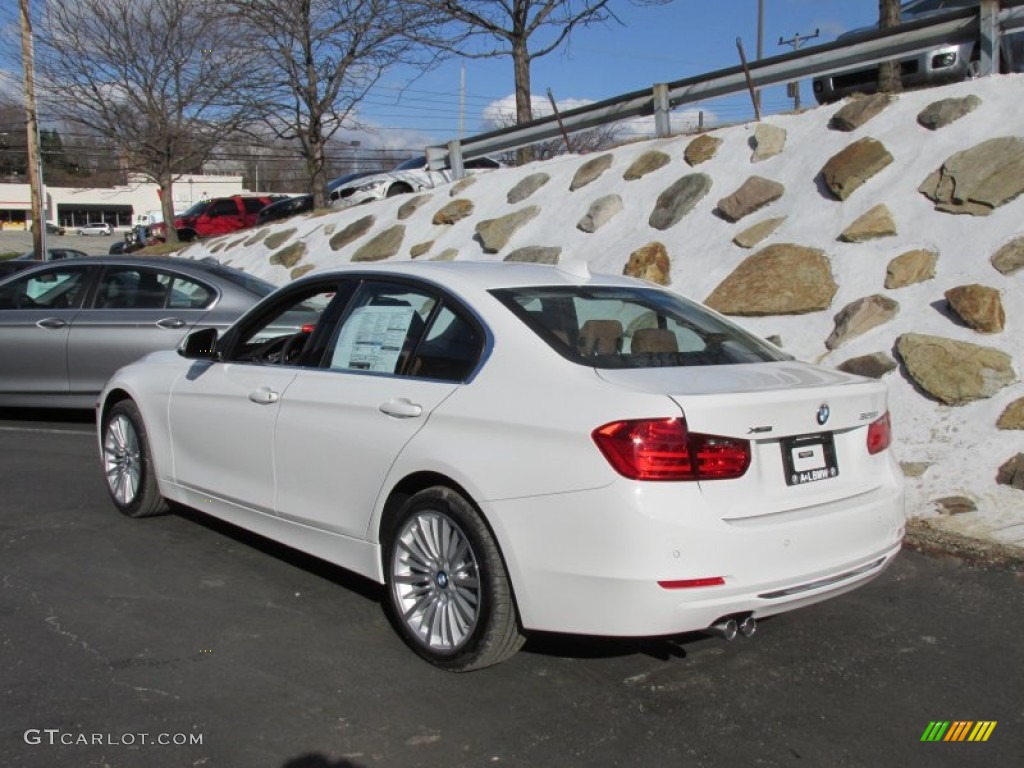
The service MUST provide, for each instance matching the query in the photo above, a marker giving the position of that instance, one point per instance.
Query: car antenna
(576, 268)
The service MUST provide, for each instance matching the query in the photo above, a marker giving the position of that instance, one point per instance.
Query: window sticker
(372, 339)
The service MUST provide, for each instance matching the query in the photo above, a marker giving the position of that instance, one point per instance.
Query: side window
(286, 333)
(50, 289)
(186, 293)
(449, 351)
(132, 288)
(223, 208)
(381, 331)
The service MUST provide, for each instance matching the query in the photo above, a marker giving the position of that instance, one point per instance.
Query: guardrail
(985, 22)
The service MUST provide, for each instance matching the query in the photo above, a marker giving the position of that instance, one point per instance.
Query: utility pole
(793, 89)
(35, 175)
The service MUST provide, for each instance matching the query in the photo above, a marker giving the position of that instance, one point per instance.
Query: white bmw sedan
(513, 447)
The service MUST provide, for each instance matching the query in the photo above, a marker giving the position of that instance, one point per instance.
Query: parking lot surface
(181, 641)
(94, 245)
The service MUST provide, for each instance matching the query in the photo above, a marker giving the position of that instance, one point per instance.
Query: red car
(220, 215)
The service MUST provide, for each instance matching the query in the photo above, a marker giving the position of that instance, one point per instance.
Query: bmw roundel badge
(823, 413)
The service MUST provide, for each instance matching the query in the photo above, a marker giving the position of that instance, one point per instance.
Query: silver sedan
(66, 326)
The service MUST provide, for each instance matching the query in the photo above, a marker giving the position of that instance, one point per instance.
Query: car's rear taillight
(879, 434)
(664, 449)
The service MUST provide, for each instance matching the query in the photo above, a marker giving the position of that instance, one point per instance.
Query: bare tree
(161, 78)
(889, 71)
(510, 26)
(321, 58)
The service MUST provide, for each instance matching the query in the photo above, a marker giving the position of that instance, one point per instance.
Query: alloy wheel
(122, 459)
(436, 581)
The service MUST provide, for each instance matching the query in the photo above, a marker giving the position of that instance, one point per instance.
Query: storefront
(118, 206)
(71, 215)
(15, 206)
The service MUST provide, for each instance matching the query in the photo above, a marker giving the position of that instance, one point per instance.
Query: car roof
(294, 200)
(350, 177)
(171, 262)
(473, 276)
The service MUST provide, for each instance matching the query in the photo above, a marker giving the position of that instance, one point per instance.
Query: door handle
(52, 323)
(171, 322)
(264, 396)
(401, 408)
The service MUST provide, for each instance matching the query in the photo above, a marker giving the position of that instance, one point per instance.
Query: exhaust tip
(725, 629)
(748, 626)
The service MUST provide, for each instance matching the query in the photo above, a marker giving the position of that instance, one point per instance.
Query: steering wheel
(280, 349)
(269, 351)
(294, 347)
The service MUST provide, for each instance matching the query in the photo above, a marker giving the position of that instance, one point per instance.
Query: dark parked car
(66, 327)
(283, 209)
(54, 229)
(939, 66)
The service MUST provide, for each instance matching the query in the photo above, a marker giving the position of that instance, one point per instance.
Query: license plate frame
(809, 458)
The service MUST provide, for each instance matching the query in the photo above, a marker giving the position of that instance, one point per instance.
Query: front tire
(449, 595)
(127, 463)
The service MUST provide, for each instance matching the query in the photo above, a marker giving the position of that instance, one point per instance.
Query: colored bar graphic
(982, 730)
(958, 730)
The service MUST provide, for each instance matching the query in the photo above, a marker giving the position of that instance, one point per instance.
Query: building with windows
(121, 206)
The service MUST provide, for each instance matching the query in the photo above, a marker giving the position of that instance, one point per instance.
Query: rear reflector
(879, 434)
(664, 449)
(710, 581)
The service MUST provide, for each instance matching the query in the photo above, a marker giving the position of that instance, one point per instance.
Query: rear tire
(449, 595)
(127, 463)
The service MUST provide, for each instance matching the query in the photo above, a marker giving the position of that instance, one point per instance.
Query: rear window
(243, 280)
(614, 327)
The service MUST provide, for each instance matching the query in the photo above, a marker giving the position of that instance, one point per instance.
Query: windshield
(412, 164)
(197, 209)
(624, 327)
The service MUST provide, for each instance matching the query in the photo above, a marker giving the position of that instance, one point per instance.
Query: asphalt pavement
(94, 245)
(181, 641)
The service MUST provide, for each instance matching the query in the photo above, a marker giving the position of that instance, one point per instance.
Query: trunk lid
(807, 427)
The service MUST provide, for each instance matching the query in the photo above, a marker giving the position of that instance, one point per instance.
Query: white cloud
(502, 112)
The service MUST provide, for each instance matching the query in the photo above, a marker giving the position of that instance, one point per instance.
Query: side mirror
(199, 345)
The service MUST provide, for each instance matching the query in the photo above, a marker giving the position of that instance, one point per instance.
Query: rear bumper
(583, 565)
